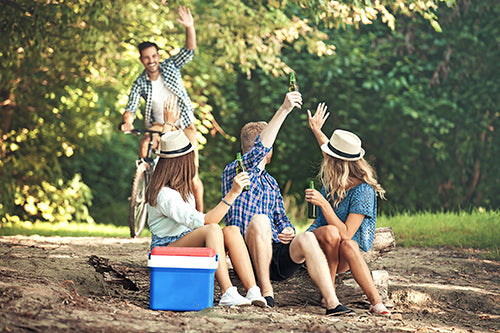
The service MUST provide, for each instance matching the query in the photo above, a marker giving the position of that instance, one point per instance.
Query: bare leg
(350, 257)
(306, 247)
(258, 237)
(239, 256)
(143, 145)
(209, 235)
(329, 241)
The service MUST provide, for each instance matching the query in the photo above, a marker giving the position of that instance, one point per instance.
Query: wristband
(224, 201)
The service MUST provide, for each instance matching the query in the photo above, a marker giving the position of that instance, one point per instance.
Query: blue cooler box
(182, 278)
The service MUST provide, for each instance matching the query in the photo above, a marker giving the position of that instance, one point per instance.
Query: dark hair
(145, 45)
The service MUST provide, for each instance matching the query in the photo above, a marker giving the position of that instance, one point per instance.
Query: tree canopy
(421, 94)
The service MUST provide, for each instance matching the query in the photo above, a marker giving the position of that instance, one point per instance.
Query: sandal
(379, 309)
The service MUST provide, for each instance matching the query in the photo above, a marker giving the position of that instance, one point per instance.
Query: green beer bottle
(312, 210)
(293, 83)
(241, 168)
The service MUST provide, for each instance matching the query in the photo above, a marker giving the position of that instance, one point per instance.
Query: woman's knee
(212, 230)
(328, 235)
(231, 231)
(213, 227)
(348, 247)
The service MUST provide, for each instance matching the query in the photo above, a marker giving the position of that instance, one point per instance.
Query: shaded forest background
(418, 83)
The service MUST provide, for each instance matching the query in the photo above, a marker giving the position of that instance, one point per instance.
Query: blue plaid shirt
(264, 196)
(170, 72)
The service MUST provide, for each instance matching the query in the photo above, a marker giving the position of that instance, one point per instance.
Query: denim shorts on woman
(164, 241)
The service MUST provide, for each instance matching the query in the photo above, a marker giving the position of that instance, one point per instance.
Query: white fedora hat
(344, 145)
(174, 144)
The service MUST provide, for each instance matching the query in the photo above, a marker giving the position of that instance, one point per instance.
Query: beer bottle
(241, 168)
(293, 83)
(312, 210)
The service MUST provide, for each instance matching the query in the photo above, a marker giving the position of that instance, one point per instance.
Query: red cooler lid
(183, 251)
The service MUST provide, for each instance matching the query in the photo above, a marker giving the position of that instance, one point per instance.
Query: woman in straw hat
(347, 206)
(172, 216)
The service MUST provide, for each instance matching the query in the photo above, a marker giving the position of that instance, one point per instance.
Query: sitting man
(259, 213)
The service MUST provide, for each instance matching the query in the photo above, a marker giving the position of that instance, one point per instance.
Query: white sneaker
(231, 298)
(254, 296)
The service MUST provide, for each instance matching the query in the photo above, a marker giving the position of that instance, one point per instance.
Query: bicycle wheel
(138, 211)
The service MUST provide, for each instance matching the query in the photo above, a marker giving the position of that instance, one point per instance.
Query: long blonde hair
(337, 177)
(176, 173)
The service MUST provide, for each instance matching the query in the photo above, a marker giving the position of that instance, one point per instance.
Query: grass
(66, 230)
(479, 229)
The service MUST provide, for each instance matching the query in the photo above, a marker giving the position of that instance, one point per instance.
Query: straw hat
(174, 144)
(344, 145)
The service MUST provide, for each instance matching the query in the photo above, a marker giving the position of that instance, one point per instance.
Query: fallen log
(130, 277)
(383, 242)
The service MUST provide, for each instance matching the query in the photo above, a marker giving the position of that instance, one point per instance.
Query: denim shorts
(164, 241)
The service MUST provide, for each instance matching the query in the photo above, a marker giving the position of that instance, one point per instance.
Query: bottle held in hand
(312, 210)
(241, 168)
(293, 83)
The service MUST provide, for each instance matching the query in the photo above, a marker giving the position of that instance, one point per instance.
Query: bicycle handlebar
(143, 130)
(139, 131)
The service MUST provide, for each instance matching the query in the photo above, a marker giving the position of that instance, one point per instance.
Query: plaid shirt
(264, 196)
(170, 72)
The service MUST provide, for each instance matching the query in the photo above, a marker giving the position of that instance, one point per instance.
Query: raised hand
(316, 122)
(292, 100)
(185, 17)
(170, 110)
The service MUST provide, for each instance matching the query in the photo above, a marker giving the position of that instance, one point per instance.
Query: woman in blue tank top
(347, 206)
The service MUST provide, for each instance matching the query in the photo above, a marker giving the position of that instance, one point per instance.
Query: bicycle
(144, 168)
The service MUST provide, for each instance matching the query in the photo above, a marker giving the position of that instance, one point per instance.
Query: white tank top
(160, 94)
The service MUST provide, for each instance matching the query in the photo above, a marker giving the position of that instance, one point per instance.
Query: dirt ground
(54, 284)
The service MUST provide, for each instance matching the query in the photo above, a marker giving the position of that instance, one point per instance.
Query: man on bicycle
(155, 84)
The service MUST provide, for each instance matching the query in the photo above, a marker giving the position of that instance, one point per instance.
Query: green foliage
(59, 99)
(49, 107)
(415, 98)
(425, 103)
(47, 202)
